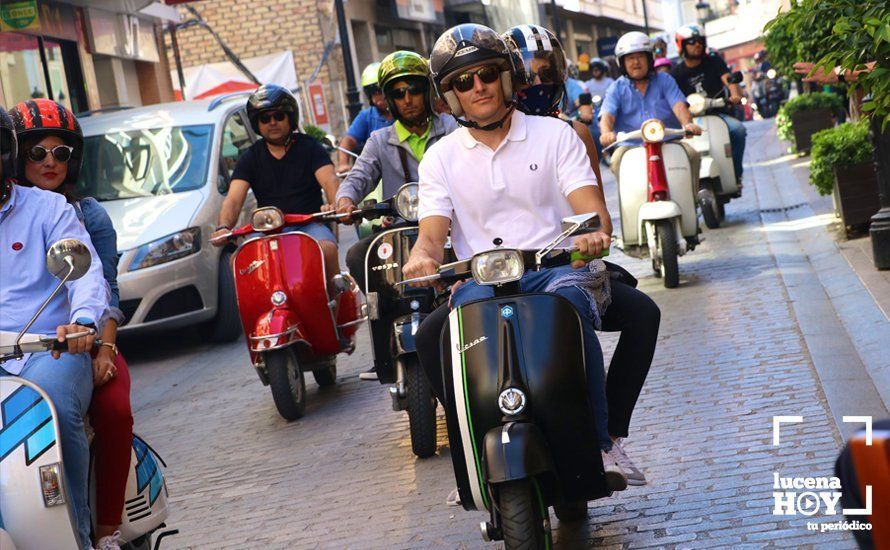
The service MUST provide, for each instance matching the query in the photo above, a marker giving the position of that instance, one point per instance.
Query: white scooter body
(714, 146)
(633, 191)
(32, 445)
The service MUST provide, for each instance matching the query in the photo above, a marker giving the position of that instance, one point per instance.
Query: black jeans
(631, 312)
(355, 259)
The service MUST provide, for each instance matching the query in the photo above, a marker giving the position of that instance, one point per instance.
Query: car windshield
(144, 163)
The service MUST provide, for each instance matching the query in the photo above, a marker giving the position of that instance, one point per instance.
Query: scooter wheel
(522, 516)
(667, 246)
(287, 383)
(421, 409)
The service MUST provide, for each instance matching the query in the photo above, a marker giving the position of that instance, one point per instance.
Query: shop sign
(319, 106)
(19, 16)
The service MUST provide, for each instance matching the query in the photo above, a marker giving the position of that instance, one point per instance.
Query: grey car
(162, 172)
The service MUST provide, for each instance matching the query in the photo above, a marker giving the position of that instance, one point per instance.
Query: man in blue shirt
(31, 220)
(641, 94)
(373, 118)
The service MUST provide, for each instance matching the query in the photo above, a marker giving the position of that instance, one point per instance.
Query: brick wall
(261, 27)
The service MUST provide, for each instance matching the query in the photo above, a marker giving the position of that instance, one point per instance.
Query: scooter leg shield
(145, 501)
(516, 450)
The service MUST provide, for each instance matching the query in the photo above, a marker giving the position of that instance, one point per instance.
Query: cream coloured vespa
(657, 199)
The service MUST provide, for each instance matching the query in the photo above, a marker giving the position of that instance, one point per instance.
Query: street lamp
(352, 93)
(702, 8)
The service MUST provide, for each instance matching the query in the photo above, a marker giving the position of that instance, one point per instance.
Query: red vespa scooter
(286, 312)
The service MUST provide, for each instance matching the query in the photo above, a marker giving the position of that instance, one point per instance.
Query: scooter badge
(507, 312)
(384, 251)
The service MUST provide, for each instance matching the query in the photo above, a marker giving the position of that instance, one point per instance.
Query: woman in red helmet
(50, 150)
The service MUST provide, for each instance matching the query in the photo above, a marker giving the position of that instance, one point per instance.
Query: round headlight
(511, 401)
(266, 219)
(497, 266)
(406, 202)
(653, 131)
(696, 103)
(771, 74)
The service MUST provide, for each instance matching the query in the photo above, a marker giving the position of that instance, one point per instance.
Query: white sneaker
(631, 472)
(453, 498)
(369, 374)
(615, 478)
(111, 542)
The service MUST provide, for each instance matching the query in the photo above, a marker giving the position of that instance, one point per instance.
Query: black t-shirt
(288, 183)
(705, 79)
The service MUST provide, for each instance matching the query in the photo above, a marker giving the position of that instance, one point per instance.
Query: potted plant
(805, 115)
(842, 163)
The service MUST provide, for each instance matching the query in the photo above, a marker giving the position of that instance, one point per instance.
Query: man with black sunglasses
(708, 75)
(286, 169)
(394, 153)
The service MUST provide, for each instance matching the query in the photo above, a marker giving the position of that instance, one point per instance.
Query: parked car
(162, 172)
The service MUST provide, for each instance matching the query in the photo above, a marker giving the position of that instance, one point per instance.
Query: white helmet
(632, 42)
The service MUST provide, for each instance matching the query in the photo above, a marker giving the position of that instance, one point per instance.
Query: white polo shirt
(517, 192)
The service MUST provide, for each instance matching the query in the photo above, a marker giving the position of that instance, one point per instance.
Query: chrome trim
(358, 321)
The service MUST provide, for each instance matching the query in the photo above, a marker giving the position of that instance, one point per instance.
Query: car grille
(129, 307)
(176, 302)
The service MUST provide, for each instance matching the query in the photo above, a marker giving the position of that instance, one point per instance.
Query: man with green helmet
(372, 118)
(393, 153)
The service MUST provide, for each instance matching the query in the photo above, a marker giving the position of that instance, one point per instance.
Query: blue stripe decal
(38, 443)
(147, 471)
(18, 402)
(17, 432)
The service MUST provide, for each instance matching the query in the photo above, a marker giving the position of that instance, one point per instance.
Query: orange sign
(319, 105)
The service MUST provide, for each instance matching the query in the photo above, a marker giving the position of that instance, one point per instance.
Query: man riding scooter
(30, 221)
(393, 154)
(642, 93)
(285, 169)
(369, 120)
(509, 177)
(708, 75)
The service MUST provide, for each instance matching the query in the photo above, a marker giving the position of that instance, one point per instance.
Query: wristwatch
(85, 322)
(111, 345)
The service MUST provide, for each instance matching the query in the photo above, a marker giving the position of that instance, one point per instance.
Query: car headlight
(497, 267)
(266, 219)
(696, 103)
(406, 202)
(653, 131)
(166, 249)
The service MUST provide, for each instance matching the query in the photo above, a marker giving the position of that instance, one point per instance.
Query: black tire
(287, 383)
(521, 518)
(421, 408)
(710, 211)
(327, 375)
(721, 209)
(571, 511)
(226, 326)
(667, 245)
(141, 543)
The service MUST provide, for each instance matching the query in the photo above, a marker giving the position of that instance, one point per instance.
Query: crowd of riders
(504, 139)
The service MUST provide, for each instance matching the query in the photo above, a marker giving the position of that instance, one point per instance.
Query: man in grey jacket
(393, 153)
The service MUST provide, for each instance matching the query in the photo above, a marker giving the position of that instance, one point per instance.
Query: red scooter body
(282, 298)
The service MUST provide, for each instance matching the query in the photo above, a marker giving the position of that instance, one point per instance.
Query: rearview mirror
(735, 78)
(581, 224)
(68, 259)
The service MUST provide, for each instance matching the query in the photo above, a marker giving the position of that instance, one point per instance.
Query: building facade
(85, 54)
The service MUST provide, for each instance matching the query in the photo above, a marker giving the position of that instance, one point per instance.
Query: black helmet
(272, 97)
(8, 144)
(464, 46)
(44, 117)
(535, 47)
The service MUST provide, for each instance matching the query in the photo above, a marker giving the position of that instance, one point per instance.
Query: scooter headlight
(653, 131)
(406, 202)
(511, 401)
(496, 267)
(51, 484)
(266, 219)
(696, 104)
(771, 74)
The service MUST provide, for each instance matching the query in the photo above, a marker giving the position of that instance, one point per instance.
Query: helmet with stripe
(541, 64)
(39, 118)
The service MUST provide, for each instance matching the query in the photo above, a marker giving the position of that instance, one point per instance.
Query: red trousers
(112, 421)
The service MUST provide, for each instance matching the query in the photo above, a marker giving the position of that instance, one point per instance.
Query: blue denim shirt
(631, 108)
(367, 121)
(104, 238)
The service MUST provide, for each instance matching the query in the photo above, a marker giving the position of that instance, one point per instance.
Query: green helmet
(404, 64)
(369, 75)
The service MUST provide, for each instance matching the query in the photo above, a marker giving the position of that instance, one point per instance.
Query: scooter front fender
(659, 210)
(277, 329)
(709, 168)
(516, 450)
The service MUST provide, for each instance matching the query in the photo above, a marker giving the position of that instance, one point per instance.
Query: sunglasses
(267, 117)
(464, 82)
(413, 89)
(694, 41)
(62, 153)
(547, 75)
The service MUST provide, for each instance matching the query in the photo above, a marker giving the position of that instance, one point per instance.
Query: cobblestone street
(731, 356)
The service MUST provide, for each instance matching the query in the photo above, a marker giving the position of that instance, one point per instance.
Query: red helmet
(45, 117)
(686, 32)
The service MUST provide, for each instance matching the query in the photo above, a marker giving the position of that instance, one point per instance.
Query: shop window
(21, 70)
